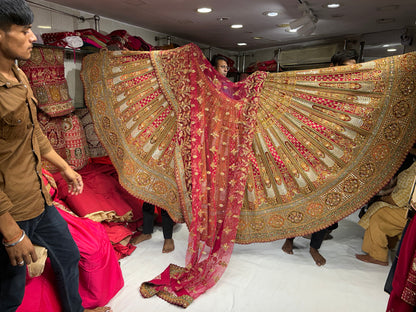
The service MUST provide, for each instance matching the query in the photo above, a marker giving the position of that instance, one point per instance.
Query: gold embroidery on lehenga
(322, 142)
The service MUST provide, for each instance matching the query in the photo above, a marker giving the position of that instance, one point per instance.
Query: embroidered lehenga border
(274, 156)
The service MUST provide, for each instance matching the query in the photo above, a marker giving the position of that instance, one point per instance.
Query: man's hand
(22, 253)
(74, 180)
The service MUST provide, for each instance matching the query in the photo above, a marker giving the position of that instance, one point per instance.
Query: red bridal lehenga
(276, 155)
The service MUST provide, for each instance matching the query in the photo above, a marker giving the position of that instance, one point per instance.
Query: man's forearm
(56, 160)
(8, 227)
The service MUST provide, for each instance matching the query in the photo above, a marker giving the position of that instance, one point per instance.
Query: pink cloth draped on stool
(103, 198)
(100, 274)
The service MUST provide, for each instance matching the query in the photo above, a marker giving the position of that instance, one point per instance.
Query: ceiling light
(235, 26)
(204, 10)
(257, 38)
(222, 19)
(241, 44)
(271, 13)
(386, 45)
(44, 27)
(333, 5)
(391, 50)
(291, 30)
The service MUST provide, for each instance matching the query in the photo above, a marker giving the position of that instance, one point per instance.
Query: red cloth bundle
(57, 38)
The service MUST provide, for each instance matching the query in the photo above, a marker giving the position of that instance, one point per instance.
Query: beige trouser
(386, 222)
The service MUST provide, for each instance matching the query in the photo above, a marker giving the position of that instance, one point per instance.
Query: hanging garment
(46, 73)
(276, 155)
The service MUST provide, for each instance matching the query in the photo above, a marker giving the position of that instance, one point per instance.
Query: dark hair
(216, 58)
(341, 56)
(14, 12)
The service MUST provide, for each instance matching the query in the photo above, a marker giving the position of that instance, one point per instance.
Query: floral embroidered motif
(273, 156)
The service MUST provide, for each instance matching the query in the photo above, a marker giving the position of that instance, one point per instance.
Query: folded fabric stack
(68, 39)
(269, 66)
(122, 40)
(92, 40)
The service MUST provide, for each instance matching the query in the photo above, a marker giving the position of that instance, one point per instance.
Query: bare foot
(319, 260)
(288, 246)
(369, 259)
(168, 245)
(328, 236)
(141, 238)
(99, 309)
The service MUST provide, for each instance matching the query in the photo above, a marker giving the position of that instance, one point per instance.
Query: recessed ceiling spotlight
(271, 13)
(257, 38)
(391, 50)
(223, 19)
(333, 5)
(241, 44)
(204, 10)
(236, 26)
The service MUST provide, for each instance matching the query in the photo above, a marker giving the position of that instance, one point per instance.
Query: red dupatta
(220, 136)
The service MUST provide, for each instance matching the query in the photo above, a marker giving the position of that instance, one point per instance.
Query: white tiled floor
(261, 277)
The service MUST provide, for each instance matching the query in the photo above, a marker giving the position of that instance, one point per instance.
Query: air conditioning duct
(319, 55)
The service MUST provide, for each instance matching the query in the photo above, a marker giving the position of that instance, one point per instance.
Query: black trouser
(318, 237)
(149, 217)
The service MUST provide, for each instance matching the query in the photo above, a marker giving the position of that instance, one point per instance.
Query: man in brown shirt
(27, 214)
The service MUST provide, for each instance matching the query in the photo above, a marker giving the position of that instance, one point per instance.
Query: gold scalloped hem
(109, 216)
(64, 208)
(148, 290)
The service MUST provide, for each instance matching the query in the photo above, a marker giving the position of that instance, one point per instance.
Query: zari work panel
(46, 73)
(324, 143)
(67, 137)
(139, 129)
(95, 148)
